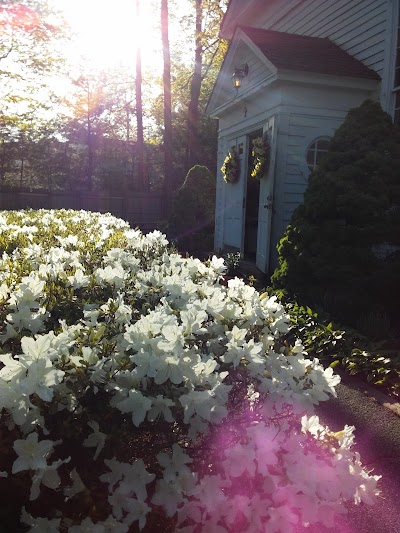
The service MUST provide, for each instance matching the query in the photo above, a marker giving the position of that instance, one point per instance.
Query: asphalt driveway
(378, 441)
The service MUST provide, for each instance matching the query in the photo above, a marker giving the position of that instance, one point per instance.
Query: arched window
(316, 151)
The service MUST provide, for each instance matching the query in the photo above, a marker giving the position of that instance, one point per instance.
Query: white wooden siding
(303, 129)
(357, 26)
(258, 72)
(257, 69)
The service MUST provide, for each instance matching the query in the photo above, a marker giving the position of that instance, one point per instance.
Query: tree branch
(210, 63)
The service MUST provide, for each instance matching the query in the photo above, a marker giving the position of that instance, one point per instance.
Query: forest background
(114, 103)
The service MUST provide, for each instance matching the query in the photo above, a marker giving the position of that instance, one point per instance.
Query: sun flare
(108, 34)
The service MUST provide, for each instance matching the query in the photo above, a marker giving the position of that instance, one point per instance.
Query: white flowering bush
(138, 392)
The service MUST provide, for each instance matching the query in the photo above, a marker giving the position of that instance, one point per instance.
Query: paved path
(378, 441)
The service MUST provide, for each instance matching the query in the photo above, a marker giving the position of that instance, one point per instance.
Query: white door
(235, 200)
(266, 204)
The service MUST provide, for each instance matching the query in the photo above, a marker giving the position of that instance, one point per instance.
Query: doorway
(252, 204)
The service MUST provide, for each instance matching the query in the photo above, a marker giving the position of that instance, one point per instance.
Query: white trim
(218, 86)
(243, 95)
(323, 133)
(256, 51)
(303, 78)
(387, 91)
(227, 34)
(316, 150)
(246, 128)
(316, 78)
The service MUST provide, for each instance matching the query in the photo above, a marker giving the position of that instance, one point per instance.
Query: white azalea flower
(135, 479)
(240, 459)
(76, 487)
(96, 439)
(147, 364)
(116, 474)
(89, 357)
(4, 291)
(169, 368)
(176, 462)
(312, 425)
(29, 290)
(210, 492)
(137, 509)
(115, 275)
(32, 453)
(87, 526)
(15, 401)
(12, 369)
(48, 476)
(79, 279)
(281, 519)
(38, 348)
(160, 406)
(137, 404)
(218, 264)
(168, 494)
(39, 524)
(41, 378)
(26, 318)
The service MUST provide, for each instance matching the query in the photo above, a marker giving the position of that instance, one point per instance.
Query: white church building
(301, 65)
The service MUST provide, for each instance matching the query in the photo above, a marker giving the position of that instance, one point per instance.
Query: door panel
(266, 205)
(235, 201)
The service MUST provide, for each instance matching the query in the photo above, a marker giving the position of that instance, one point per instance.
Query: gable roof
(308, 54)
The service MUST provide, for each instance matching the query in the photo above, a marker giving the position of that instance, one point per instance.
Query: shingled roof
(309, 54)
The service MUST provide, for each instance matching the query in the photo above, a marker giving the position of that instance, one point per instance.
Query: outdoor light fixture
(238, 75)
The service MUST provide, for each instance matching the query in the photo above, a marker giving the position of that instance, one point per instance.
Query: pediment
(241, 51)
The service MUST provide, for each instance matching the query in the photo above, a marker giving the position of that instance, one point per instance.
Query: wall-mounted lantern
(238, 74)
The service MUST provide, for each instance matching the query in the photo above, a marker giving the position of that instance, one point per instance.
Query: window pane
(316, 151)
(310, 157)
(323, 144)
(320, 156)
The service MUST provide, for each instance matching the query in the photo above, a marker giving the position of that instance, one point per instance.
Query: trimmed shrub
(191, 223)
(340, 250)
(138, 393)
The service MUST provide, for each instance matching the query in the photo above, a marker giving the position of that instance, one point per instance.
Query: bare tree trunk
(3, 162)
(22, 159)
(167, 136)
(195, 86)
(139, 114)
(89, 176)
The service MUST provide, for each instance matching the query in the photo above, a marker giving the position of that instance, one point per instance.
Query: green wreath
(261, 154)
(231, 167)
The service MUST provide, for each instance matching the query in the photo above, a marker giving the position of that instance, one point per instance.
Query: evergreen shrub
(341, 249)
(191, 223)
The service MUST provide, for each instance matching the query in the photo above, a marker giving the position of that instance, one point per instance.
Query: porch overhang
(278, 57)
